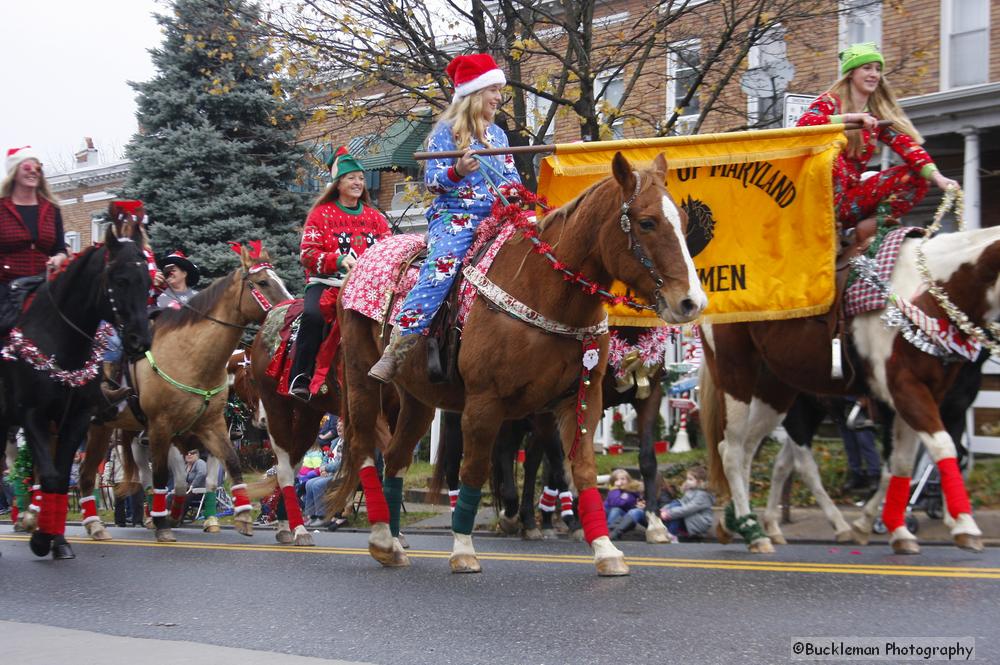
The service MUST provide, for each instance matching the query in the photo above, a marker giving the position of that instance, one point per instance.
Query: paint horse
(52, 373)
(801, 424)
(516, 357)
(754, 371)
(182, 387)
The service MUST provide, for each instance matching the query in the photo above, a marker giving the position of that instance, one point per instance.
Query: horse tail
(130, 483)
(259, 489)
(713, 414)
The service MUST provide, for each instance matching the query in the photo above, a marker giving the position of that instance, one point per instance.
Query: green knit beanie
(856, 55)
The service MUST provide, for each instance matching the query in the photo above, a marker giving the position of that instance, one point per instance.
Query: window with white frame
(767, 63)
(683, 62)
(72, 241)
(536, 110)
(613, 87)
(965, 42)
(98, 224)
(860, 21)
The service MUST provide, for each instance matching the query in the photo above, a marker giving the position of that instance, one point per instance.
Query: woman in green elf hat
(341, 226)
(863, 95)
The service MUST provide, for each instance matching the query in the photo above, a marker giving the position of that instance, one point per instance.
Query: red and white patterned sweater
(332, 232)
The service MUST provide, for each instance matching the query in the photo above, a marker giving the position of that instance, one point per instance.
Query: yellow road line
(969, 572)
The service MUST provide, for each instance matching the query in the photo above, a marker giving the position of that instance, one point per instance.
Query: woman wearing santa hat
(342, 224)
(464, 196)
(31, 226)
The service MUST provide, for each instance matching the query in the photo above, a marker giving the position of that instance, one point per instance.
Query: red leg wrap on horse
(378, 508)
(953, 487)
(595, 523)
(159, 503)
(896, 498)
(241, 500)
(14, 513)
(46, 510)
(177, 507)
(565, 504)
(292, 507)
(58, 522)
(548, 501)
(88, 505)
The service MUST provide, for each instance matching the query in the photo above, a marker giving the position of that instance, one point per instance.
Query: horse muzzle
(681, 310)
(136, 343)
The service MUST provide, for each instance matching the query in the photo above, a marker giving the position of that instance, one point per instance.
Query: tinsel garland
(651, 348)
(20, 347)
(988, 338)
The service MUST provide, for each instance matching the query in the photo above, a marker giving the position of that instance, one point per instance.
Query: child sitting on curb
(691, 515)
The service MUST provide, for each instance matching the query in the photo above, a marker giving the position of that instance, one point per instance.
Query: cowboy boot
(385, 369)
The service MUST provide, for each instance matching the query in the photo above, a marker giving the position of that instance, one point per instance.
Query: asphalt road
(533, 603)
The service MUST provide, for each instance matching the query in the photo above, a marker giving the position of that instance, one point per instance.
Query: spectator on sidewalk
(691, 515)
(624, 505)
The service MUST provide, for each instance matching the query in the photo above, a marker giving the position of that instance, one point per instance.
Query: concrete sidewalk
(807, 524)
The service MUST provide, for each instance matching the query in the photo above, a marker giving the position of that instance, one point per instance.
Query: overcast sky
(66, 67)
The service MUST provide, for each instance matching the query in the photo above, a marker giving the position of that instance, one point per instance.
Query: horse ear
(110, 239)
(660, 166)
(623, 172)
(264, 256)
(245, 259)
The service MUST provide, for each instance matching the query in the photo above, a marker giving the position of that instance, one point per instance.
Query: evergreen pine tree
(216, 151)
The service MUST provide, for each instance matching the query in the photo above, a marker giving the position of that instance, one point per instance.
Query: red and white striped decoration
(88, 506)
(159, 503)
(241, 500)
(547, 502)
(566, 503)
(452, 499)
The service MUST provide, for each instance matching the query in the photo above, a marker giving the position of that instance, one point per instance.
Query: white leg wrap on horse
(605, 549)
(965, 524)
(380, 536)
(901, 533)
(463, 544)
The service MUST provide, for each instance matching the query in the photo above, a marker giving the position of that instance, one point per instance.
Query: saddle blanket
(279, 332)
(376, 279)
(861, 297)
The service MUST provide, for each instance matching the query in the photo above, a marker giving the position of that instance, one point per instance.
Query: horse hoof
(762, 546)
(969, 542)
(165, 536)
(860, 536)
(905, 546)
(723, 536)
(532, 534)
(304, 539)
(97, 531)
(777, 538)
(845, 536)
(657, 536)
(390, 558)
(508, 525)
(148, 523)
(577, 536)
(464, 563)
(211, 525)
(284, 536)
(61, 549)
(403, 542)
(40, 543)
(19, 526)
(549, 534)
(29, 520)
(612, 566)
(244, 523)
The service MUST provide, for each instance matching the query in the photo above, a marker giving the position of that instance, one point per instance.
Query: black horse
(51, 376)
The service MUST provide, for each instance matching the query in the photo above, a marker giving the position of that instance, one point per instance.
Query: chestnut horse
(625, 227)
(182, 385)
(760, 367)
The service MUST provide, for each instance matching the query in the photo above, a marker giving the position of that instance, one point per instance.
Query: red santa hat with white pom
(471, 73)
(17, 155)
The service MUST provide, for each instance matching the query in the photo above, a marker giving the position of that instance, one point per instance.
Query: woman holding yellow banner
(863, 95)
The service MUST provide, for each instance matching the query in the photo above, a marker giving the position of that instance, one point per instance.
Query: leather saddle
(12, 297)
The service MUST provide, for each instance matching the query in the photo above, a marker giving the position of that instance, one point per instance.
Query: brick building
(943, 64)
(84, 191)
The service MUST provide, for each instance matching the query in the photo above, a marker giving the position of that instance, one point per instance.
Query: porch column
(970, 178)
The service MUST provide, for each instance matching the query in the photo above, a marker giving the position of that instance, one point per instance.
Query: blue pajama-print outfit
(452, 220)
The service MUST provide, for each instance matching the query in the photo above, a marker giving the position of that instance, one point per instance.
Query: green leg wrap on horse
(208, 508)
(748, 526)
(281, 513)
(393, 490)
(464, 517)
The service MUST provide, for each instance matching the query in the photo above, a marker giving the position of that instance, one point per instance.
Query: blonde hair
(332, 193)
(882, 104)
(619, 473)
(465, 116)
(43, 191)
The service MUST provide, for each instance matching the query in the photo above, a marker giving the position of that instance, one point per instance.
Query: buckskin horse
(54, 354)
(546, 350)
(754, 370)
(182, 385)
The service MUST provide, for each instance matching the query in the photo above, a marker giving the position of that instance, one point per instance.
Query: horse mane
(563, 212)
(73, 267)
(202, 303)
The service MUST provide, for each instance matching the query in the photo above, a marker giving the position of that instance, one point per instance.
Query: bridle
(255, 292)
(633, 242)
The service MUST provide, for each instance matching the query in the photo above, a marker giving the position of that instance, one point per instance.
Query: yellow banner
(760, 211)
